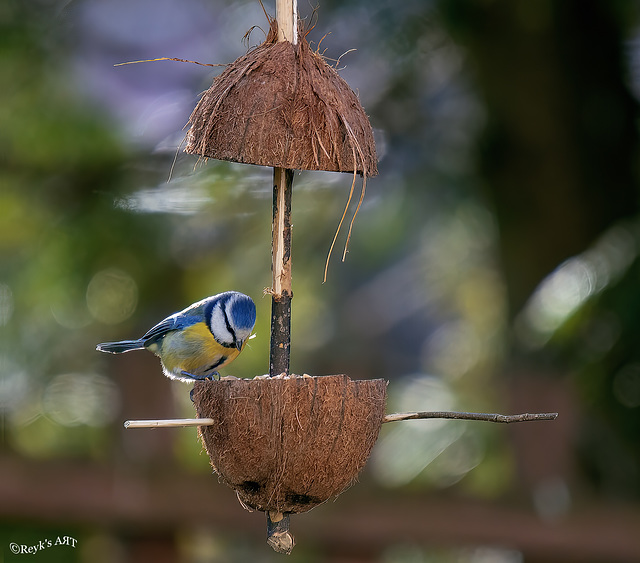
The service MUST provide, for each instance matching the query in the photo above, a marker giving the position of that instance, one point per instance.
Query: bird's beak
(239, 345)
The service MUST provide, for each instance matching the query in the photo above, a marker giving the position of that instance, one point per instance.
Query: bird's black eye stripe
(226, 322)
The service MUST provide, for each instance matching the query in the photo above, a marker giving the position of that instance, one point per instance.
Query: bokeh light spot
(560, 295)
(407, 448)
(453, 349)
(72, 399)
(112, 296)
(575, 281)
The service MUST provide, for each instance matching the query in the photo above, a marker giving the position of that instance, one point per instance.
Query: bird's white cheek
(219, 327)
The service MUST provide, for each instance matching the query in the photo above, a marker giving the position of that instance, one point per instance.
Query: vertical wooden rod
(278, 535)
(281, 292)
(287, 18)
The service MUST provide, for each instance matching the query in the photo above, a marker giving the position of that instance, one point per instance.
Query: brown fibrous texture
(287, 444)
(282, 105)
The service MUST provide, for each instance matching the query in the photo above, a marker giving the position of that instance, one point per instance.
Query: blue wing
(179, 321)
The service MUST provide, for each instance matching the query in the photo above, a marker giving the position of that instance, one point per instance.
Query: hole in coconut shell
(250, 487)
(297, 498)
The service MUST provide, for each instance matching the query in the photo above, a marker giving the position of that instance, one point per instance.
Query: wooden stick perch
(169, 423)
(486, 417)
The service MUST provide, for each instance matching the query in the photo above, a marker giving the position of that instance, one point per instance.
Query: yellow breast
(194, 351)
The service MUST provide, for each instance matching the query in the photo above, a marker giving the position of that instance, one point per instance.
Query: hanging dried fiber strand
(282, 105)
(289, 444)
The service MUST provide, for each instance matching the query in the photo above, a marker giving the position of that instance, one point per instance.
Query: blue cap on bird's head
(243, 310)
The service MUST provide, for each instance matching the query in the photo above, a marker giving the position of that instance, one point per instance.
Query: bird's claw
(210, 376)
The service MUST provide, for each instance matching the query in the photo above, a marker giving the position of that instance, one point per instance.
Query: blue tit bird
(196, 342)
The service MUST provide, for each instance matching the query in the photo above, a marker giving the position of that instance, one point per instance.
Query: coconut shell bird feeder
(287, 443)
(282, 105)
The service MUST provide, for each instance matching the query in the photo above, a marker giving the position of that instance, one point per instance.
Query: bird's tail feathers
(121, 346)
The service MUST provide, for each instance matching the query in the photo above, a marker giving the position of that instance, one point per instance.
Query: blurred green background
(493, 267)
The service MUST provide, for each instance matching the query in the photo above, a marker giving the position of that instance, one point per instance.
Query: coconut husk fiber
(287, 444)
(282, 105)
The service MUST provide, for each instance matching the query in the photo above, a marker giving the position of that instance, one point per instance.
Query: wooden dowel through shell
(169, 423)
(278, 535)
(486, 417)
(395, 417)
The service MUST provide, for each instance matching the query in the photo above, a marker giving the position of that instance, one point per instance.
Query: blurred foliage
(100, 245)
(503, 170)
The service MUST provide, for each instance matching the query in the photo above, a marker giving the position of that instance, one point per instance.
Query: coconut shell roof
(282, 105)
